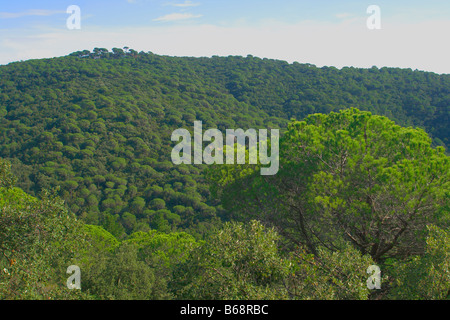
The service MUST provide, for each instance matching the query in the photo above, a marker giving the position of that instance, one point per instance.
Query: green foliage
(353, 189)
(425, 277)
(107, 115)
(119, 275)
(339, 275)
(244, 261)
(100, 238)
(163, 253)
(347, 270)
(238, 262)
(39, 239)
(7, 179)
(163, 250)
(347, 178)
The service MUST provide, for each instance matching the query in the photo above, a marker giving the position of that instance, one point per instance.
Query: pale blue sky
(414, 33)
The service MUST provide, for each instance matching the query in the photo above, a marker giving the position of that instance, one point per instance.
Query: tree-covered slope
(295, 90)
(99, 124)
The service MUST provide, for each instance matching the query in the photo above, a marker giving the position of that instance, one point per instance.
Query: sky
(411, 34)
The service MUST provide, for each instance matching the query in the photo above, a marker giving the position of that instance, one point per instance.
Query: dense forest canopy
(98, 123)
(86, 179)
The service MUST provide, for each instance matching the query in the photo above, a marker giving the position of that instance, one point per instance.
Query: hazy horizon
(412, 33)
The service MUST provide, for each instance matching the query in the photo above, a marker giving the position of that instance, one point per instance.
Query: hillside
(98, 124)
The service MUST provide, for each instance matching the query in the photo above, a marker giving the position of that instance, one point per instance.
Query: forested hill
(98, 124)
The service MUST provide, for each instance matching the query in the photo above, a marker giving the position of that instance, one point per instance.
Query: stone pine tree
(346, 178)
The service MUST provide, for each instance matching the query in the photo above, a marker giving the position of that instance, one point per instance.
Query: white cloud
(187, 3)
(177, 17)
(343, 15)
(31, 12)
